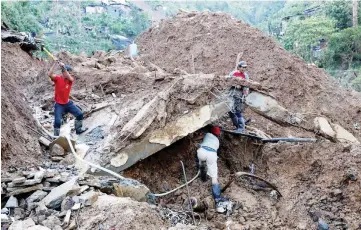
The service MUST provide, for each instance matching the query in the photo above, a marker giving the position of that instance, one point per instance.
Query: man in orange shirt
(63, 84)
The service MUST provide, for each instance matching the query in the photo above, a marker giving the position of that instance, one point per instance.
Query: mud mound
(110, 212)
(19, 144)
(213, 41)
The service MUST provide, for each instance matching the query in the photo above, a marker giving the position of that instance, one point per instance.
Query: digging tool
(48, 53)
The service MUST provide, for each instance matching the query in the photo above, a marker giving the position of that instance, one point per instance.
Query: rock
(41, 209)
(67, 203)
(25, 190)
(336, 193)
(57, 159)
(51, 173)
(64, 176)
(19, 180)
(4, 218)
(67, 218)
(57, 150)
(25, 183)
(131, 188)
(5, 211)
(22, 225)
(76, 206)
(51, 222)
(54, 179)
(39, 175)
(325, 129)
(22, 203)
(36, 196)
(44, 141)
(55, 197)
(6, 179)
(342, 135)
(99, 66)
(19, 213)
(12, 203)
(83, 188)
(88, 198)
(38, 227)
(72, 225)
(46, 184)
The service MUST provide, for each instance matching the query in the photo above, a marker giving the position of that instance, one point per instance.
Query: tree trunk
(354, 12)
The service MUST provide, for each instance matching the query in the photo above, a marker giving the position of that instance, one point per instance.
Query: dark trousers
(69, 107)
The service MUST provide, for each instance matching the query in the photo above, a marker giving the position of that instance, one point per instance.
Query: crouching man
(207, 153)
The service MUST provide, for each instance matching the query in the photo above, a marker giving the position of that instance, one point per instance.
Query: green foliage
(301, 35)
(341, 11)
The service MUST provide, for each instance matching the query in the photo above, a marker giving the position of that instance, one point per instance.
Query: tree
(302, 35)
(354, 13)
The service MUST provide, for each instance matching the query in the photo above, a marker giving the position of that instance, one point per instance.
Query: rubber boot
(216, 192)
(56, 132)
(79, 127)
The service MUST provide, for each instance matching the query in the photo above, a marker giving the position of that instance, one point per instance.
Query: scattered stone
(38, 227)
(44, 141)
(72, 225)
(324, 127)
(83, 188)
(53, 180)
(22, 203)
(6, 179)
(52, 222)
(76, 206)
(67, 218)
(19, 180)
(25, 183)
(64, 176)
(75, 199)
(88, 198)
(343, 135)
(39, 175)
(25, 190)
(5, 211)
(22, 225)
(57, 150)
(57, 159)
(19, 213)
(36, 196)
(55, 197)
(41, 209)
(51, 173)
(131, 188)
(4, 218)
(46, 184)
(336, 192)
(67, 203)
(12, 203)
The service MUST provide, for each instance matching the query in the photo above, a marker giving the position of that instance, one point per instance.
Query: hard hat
(216, 130)
(242, 64)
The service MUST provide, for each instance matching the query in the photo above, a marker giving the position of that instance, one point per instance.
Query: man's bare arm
(65, 72)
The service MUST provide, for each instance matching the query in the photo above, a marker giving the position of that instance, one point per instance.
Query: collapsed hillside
(145, 114)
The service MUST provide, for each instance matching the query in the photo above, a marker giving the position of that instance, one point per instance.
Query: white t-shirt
(210, 141)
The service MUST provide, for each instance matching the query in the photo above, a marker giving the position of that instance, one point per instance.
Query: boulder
(57, 150)
(55, 197)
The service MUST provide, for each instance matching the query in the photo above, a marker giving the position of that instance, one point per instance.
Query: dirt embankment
(210, 42)
(19, 71)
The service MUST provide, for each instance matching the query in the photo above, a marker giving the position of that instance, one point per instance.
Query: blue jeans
(69, 107)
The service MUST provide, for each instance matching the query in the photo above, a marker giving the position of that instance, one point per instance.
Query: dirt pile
(19, 144)
(210, 42)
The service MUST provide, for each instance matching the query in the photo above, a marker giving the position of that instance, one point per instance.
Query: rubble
(88, 198)
(12, 202)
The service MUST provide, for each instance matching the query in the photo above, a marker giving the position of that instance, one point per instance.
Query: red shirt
(238, 74)
(62, 89)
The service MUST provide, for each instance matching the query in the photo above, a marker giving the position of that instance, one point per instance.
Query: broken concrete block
(88, 198)
(55, 197)
(131, 188)
(36, 196)
(44, 141)
(342, 135)
(19, 180)
(324, 127)
(22, 225)
(12, 203)
(57, 150)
